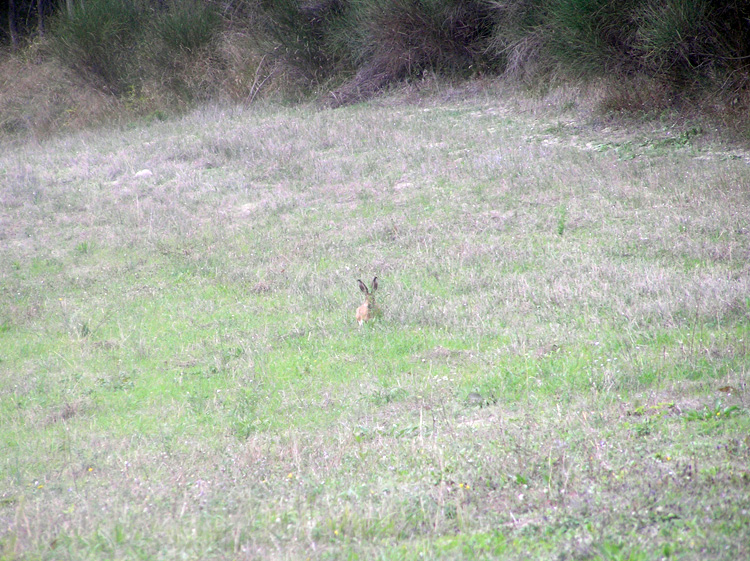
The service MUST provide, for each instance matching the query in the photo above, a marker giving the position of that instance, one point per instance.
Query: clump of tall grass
(679, 46)
(187, 25)
(124, 44)
(182, 48)
(441, 35)
(692, 40)
(42, 97)
(517, 37)
(395, 39)
(309, 37)
(682, 43)
(587, 38)
(99, 41)
(379, 41)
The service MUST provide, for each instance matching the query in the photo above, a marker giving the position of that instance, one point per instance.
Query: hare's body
(368, 309)
(363, 313)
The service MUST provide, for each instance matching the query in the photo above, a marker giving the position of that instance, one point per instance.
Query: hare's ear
(374, 284)
(362, 286)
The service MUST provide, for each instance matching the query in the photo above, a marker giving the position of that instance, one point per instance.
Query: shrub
(688, 40)
(394, 39)
(179, 52)
(408, 35)
(309, 36)
(100, 39)
(518, 36)
(125, 44)
(188, 25)
(589, 38)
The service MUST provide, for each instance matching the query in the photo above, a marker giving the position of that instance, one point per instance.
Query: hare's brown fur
(367, 310)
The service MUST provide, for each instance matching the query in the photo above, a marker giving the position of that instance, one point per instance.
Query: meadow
(560, 370)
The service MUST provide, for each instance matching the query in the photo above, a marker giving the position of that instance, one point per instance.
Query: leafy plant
(715, 413)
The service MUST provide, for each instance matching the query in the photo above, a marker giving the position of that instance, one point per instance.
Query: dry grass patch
(182, 373)
(38, 98)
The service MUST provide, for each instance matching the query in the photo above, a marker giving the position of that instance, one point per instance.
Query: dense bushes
(310, 37)
(126, 45)
(693, 40)
(591, 37)
(374, 42)
(680, 44)
(102, 41)
(180, 51)
(388, 40)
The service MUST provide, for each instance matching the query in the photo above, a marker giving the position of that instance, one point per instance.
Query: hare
(368, 309)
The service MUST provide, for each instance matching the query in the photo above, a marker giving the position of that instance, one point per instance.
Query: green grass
(560, 370)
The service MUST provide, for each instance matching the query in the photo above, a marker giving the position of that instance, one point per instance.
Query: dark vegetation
(152, 55)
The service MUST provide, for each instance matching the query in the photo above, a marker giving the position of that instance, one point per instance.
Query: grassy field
(560, 370)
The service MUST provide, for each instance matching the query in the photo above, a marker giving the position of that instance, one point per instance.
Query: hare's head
(368, 308)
